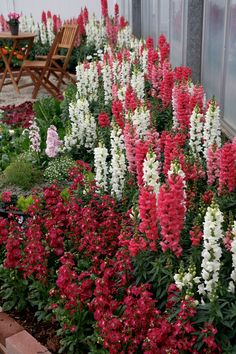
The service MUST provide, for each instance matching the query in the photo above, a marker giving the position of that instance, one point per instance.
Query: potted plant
(13, 23)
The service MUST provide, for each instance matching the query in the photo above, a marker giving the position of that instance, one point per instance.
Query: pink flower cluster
(13, 17)
(53, 142)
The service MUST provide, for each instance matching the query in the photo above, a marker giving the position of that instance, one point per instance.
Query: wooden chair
(62, 53)
(39, 70)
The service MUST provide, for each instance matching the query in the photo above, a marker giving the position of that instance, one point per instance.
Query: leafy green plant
(12, 143)
(23, 203)
(48, 112)
(13, 290)
(22, 173)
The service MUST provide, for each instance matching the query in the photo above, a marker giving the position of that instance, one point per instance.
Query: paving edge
(14, 339)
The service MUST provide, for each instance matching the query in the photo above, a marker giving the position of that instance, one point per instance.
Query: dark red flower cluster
(18, 116)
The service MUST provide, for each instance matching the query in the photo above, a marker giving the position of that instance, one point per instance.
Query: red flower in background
(103, 120)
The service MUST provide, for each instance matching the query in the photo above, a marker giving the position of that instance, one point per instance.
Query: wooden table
(22, 36)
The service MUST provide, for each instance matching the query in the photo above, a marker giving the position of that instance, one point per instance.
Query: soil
(44, 332)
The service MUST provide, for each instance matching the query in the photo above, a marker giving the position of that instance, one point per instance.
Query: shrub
(21, 173)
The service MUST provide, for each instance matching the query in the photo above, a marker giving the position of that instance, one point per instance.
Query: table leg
(31, 41)
(8, 69)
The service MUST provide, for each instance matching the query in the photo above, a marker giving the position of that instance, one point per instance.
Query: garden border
(14, 339)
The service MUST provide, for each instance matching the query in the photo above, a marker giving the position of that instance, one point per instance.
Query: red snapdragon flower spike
(182, 73)
(103, 120)
(149, 42)
(148, 216)
(104, 8)
(44, 17)
(166, 84)
(117, 111)
(171, 213)
(164, 48)
(173, 149)
(197, 98)
(227, 169)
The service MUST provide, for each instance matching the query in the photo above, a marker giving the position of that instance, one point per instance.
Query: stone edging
(15, 340)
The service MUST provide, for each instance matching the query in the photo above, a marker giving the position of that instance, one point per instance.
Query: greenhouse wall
(202, 35)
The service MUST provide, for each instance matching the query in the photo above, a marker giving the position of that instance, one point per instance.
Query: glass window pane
(213, 48)
(176, 32)
(164, 18)
(230, 84)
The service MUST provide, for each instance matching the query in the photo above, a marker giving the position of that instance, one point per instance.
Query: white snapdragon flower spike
(100, 164)
(175, 169)
(118, 166)
(141, 119)
(121, 72)
(83, 130)
(121, 94)
(138, 84)
(150, 172)
(186, 280)
(124, 37)
(87, 85)
(144, 61)
(232, 283)
(34, 136)
(211, 253)
(211, 128)
(95, 32)
(196, 131)
(50, 30)
(107, 82)
(90, 130)
(43, 33)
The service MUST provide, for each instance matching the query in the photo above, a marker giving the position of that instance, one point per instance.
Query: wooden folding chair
(39, 70)
(62, 53)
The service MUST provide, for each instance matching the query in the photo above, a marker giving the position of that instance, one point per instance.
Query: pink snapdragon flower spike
(53, 142)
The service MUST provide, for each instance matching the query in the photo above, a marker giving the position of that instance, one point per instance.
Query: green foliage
(22, 173)
(12, 143)
(57, 169)
(69, 96)
(48, 111)
(13, 290)
(23, 203)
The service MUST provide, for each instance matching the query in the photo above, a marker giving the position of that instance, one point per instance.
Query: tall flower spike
(232, 283)
(211, 254)
(34, 136)
(100, 165)
(118, 162)
(227, 165)
(196, 132)
(171, 210)
(211, 130)
(53, 142)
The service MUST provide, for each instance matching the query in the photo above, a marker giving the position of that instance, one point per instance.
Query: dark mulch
(18, 116)
(44, 332)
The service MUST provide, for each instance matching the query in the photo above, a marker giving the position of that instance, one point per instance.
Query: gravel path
(9, 96)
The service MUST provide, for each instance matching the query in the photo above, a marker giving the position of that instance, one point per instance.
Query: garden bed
(130, 245)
